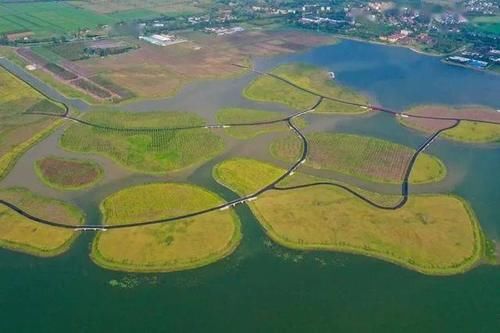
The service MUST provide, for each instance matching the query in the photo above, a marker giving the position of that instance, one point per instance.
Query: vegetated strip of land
(19, 132)
(21, 233)
(291, 170)
(269, 121)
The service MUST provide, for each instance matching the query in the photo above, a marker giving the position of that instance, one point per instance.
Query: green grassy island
(432, 234)
(474, 132)
(170, 246)
(68, 174)
(269, 89)
(21, 234)
(467, 131)
(361, 156)
(142, 147)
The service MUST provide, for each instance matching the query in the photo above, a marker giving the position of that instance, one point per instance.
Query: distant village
(449, 31)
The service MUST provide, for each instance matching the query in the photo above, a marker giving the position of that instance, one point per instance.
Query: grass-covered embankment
(68, 174)
(251, 116)
(269, 89)
(21, 234)
(170, 246)
(246, 116)
(468, 131)
(150, 150)
(18, 131)
(361, 156)
(432, 234)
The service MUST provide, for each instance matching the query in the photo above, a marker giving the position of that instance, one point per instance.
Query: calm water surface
(263, 287)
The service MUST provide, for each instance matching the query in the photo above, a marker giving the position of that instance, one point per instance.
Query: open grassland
(269, 89)
(245, 176)
(244, 116)
(172, 246)
(21, 234)
(433, 234)
(67, 174)
(48, 18)
(466, 131)
(19, 132)
(150, 150)
(360, 156)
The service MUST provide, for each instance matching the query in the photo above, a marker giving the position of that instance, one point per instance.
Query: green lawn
(172, 246)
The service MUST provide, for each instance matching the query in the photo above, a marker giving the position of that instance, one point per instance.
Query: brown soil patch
(68, 173)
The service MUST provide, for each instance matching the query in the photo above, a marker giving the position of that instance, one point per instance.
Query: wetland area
(258, 266)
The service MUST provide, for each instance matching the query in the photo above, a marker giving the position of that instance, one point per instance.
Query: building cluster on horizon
(221, 31)
(162, 39)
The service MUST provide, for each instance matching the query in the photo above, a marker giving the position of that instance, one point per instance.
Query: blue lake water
(398, 77)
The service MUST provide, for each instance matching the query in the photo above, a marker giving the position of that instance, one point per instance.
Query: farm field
(21, 234)
(360, 156)
(128, 9)
(269, 89)
(45, 19)
(156, 72)
(18, 132)
(144, 147)
(242, 116)
(67, 174)
(466, 131)
(433, 234)
(179, 245)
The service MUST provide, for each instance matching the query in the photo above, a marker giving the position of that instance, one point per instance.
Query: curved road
(253, 196)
